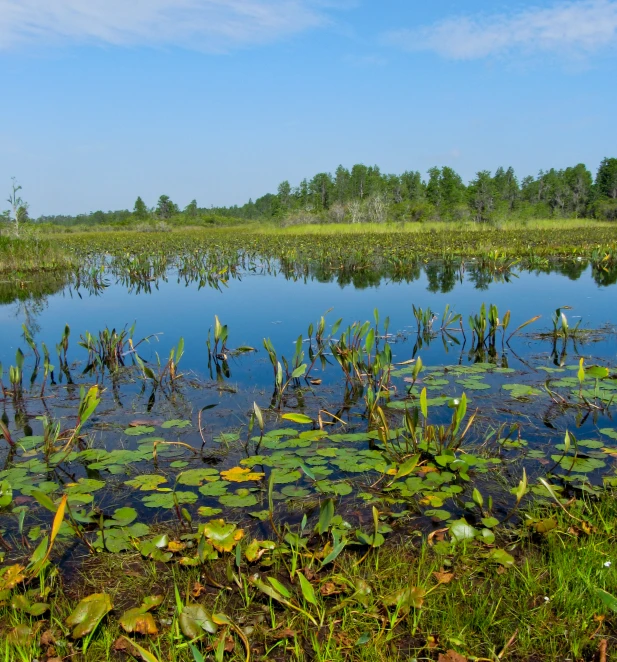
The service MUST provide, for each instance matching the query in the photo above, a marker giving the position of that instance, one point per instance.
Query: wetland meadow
(392, 442)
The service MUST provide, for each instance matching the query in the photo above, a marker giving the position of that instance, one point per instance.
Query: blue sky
(220, 100)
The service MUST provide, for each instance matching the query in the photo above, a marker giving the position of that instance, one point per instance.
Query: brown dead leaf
(122, 645)
(310, 574)
(285, 633)
(147, 422)
(343, 640)
(443, 577)
(54, 659)
(315, 382)
(438, 535)
(329, 588)
(451, 656)
(47, 638)
(197, 589)
(588, 528)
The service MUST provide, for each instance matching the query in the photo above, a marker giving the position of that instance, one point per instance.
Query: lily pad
(196, 477)
(221, 535)
(241, 475)
(578, 464)
(175, 423)
(138, 430)
(146, 482)
(195, 620)
(166, 499)
(88, 614)
(241, 499)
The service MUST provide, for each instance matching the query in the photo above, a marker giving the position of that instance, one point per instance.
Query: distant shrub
(606, 209)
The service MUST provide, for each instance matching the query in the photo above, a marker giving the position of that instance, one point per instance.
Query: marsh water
(519, 423)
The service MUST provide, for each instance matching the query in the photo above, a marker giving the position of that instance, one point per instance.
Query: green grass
(433, 226)
(33, 254)
(544, 605)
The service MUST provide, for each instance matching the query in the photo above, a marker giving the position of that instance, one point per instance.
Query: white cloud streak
(211, 25)
(578, 28)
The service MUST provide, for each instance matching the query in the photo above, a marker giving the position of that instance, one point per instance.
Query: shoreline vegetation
(39, 250)
(545, 592)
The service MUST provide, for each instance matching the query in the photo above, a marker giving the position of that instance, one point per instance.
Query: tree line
(365, 194)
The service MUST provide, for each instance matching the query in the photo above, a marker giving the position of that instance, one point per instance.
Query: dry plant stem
(508, 644)
(602, 650)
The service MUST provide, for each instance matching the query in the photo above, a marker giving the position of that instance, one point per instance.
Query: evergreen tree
(606, 179)
(140, 210)
(191, 209)
(165, 208)
(481, 193)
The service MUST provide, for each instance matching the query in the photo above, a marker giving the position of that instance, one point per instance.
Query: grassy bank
(533, 595)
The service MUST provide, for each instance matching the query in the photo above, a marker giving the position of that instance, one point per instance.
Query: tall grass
(33, 254)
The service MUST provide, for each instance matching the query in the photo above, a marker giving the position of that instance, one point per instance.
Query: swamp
(309, 444)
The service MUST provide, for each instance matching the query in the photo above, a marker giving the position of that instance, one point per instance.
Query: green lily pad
(207, 511)
(216, 489)
(578, 464)
(281, 476)
(138, 430)
(175, 423)
(521, 390)
(146, 482)
(195, 620)
(241, 499)
(166, 499)
(437, 514)
(295, 492)
(88, 614)
(196, 477)
(460, 530)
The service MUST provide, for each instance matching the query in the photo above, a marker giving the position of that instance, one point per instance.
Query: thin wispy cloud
(578, 28)
(213, 25)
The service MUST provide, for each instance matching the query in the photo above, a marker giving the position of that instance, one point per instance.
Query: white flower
(607, 564)
(546, 598)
